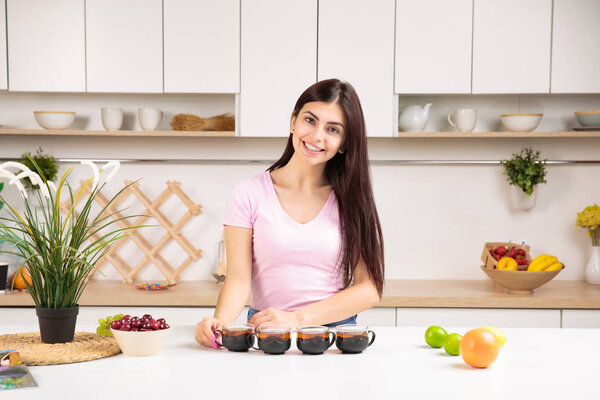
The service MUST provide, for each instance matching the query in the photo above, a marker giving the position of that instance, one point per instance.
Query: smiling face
(318, 132)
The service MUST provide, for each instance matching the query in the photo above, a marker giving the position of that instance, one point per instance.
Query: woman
(300, 233)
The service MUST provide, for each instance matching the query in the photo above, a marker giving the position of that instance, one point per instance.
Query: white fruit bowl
(588, 118)
(141, 343)
(54, 119)
(521, 122)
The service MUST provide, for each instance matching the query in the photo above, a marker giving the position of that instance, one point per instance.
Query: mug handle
(450, 119)
(220, 336)
(254, 335)
(372, 338)
(331, 338)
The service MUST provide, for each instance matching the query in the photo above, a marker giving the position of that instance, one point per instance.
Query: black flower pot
(57, 325)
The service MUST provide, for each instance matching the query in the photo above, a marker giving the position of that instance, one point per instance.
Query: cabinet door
(433, 46)
(279, 61)
(576, 47)
(124, 46)
(580, 319)
(511, 46)
(46, 45)
(473, 317)
(379, 316)
(202, 46)
(356, 44)
(3, 58)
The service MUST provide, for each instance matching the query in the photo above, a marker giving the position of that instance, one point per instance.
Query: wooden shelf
(565, 134)
(67, 132)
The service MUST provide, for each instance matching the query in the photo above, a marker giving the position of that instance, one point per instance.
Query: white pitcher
(414, 118)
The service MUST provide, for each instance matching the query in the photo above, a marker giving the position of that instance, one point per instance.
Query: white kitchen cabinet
(511, 46)
(475, 317)
(433, 46)
(124, 42)
(378, 316)
(46, 45)
(356, 44)
(278, 62)
(202, 46)
(576, 47)
(580, 319)
(3, 58)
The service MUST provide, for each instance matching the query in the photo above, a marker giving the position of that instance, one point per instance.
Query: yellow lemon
(496, 332)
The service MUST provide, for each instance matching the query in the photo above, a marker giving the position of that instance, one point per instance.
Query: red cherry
(146, 326)
(126, 316)
(165, 326)
(147, 316)
(134, 329)
(116, 324)
(145, 320)
(155, 325)
(136, 323)
(161, 321)
(125, 327)
(521, 252)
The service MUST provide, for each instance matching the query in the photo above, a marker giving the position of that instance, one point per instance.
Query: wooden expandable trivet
(84, 347)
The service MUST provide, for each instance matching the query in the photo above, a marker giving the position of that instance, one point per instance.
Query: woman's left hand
(273, 316)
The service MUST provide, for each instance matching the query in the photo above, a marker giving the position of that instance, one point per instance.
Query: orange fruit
(479, 348)
(20, 277)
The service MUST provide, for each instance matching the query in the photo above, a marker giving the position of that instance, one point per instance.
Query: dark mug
(314, 339)
(236, 337)
(353, 338)
(273, 339)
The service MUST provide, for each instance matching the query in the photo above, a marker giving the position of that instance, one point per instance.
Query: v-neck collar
(274, 193)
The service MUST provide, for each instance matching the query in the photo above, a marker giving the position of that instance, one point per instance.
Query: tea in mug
(237, 337)
(353, 339)
(314, 339)
(274, 339)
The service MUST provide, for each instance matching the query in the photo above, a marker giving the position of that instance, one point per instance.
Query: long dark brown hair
(349, 175)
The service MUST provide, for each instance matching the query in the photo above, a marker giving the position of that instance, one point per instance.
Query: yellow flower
(589, 217)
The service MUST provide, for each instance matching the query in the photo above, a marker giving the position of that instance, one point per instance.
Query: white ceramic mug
(463, 119)
(112, 118)
(149, 118)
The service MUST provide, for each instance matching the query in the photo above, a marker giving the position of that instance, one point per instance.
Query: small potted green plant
(47, 165)
(59, 249)
(524, 171)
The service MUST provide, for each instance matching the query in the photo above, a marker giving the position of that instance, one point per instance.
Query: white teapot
(414, 118)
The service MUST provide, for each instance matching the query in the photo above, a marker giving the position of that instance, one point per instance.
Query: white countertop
(534, 363)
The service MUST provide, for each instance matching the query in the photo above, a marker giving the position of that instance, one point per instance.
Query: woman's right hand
(205, 331)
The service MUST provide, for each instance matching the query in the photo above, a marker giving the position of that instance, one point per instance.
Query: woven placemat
(84, 347)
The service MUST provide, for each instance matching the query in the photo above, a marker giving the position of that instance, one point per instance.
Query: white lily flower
(4, 173)
(96, 172)
(115, 167)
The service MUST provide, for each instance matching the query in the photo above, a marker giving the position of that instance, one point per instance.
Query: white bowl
(588, 118)
(521, 122)
(141, 343)
(54, 119)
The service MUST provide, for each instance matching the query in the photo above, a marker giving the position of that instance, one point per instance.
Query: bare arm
(350, 301)
(236, 290)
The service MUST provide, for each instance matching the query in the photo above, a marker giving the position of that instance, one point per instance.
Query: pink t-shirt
(293, 264)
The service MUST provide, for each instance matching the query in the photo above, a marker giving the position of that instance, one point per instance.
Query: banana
(543, 264)
(554, 267)
(536, 261)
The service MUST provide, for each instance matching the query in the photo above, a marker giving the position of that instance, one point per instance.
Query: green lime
(452, 344)
(434, 336)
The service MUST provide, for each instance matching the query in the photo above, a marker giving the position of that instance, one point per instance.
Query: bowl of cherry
(143, 336)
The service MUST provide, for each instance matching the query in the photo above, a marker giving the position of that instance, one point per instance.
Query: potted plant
(523, 172)
(48, 167)
(59, 250)
(589, 219)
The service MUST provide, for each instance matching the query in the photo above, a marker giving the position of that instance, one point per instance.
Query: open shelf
(67, 132)
(565, 134)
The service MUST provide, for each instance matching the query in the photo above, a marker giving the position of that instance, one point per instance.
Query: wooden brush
(191, 122)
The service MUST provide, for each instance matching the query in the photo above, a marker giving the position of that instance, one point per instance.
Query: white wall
(435, 218)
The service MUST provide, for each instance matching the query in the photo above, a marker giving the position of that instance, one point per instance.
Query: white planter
(519, 198)
(592, 269)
